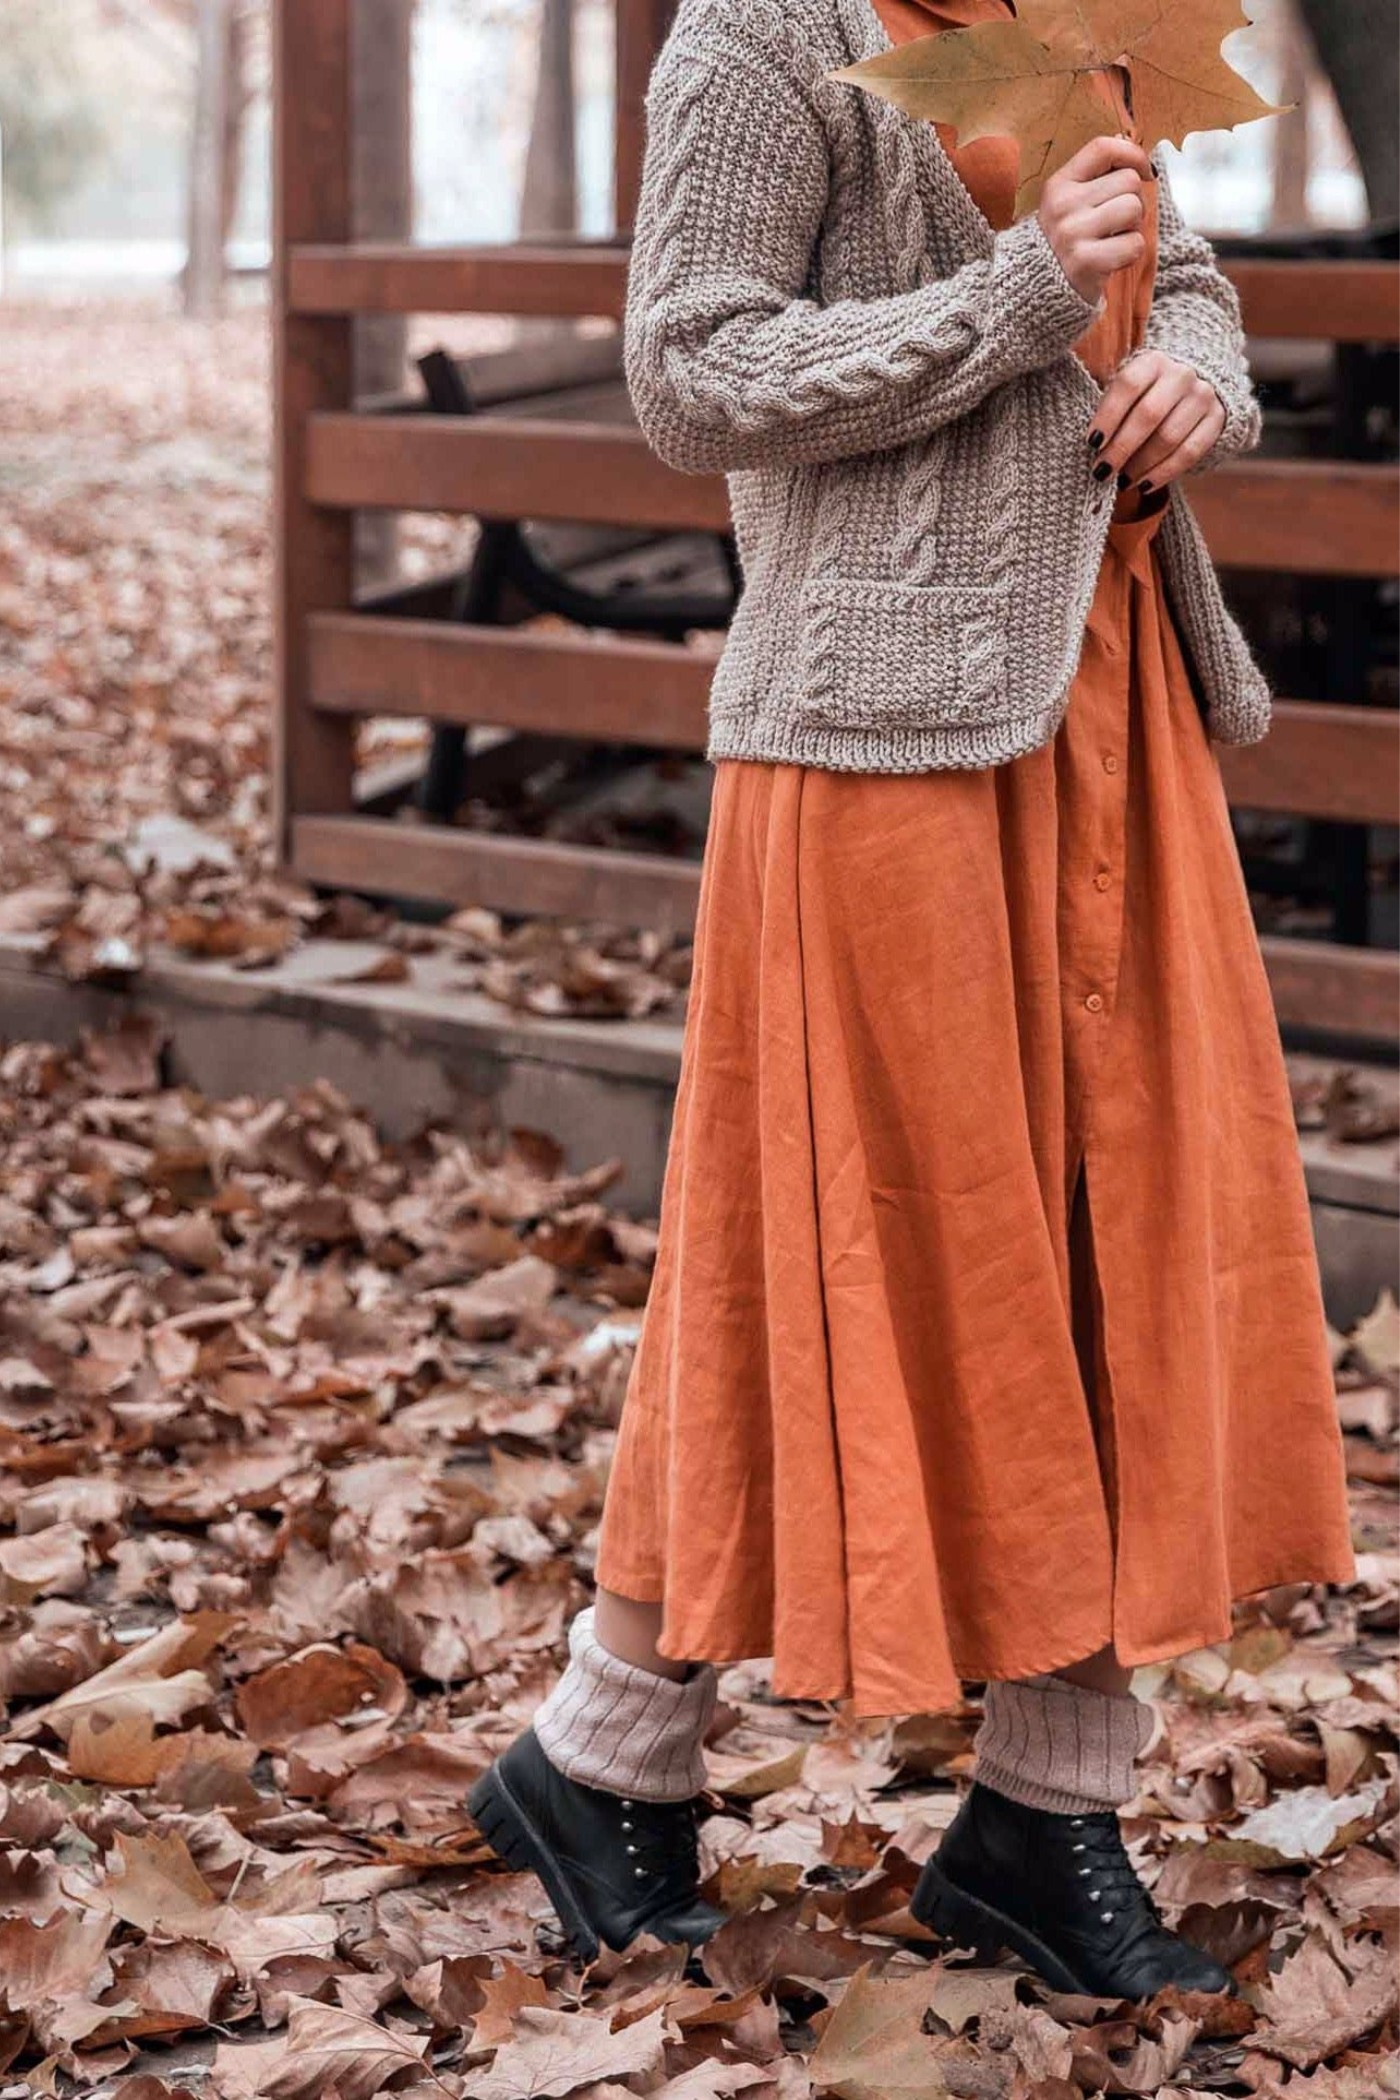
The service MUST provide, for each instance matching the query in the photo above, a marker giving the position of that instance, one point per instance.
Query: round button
(1102, 879)
(1094, 1002)
(1110, 764)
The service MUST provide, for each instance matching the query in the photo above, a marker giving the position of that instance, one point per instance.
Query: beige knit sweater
(818, 308)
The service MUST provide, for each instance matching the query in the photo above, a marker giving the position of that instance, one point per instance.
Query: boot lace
(662, 1842)
(1100, 1859)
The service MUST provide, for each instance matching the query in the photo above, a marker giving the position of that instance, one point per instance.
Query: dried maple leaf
(553, 2053)
(328, 2048)
(874, 2046)
(1064, 71)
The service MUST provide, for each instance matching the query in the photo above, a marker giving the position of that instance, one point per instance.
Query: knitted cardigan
(818, 308)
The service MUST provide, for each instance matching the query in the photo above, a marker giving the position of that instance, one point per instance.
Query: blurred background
(505, 115)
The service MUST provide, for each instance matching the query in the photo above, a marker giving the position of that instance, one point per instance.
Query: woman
(985, 1340)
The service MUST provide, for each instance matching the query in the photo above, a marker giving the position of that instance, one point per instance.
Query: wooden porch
(573, 456)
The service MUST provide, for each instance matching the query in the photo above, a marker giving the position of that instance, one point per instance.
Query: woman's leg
(630, 1630)
(623, 1718)
(598, 1795)
(1035, 1858)
(1067, 1741)
(1101, 1672)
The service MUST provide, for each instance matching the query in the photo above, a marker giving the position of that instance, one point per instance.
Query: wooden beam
(1319, 517)
(1333, 302)
(566, 280)
(313, 763)
(506, 467)
(1320, 760)
(528, 876)
(1334, 990)
(1339, 302)
(1301, 516)
(608, 687)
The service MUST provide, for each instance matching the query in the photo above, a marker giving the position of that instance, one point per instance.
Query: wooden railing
(1333, 760)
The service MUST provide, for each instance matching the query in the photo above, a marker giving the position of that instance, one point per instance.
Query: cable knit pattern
(818, 309)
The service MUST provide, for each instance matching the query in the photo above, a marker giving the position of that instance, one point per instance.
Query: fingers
(1123, 182)
(1185, 415)
(1189, 453)
(1157, 419)
(1141, 423)
(1118, 252)
(1104, 154)
(1121, 214)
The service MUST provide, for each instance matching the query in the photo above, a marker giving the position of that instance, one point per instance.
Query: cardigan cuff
(1043, 313)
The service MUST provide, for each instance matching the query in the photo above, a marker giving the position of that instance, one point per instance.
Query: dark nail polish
(1124, 480)
(1095, 440)
(1103, 470)
(1147, 486)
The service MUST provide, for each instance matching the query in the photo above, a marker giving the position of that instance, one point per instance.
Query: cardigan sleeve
(1195, 318)
(732, 361)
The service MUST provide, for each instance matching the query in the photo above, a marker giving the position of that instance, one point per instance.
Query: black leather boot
(1061, 1892)
(612, 1867)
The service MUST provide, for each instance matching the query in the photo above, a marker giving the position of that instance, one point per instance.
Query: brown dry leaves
(1061, 72)
(135, 685)
(302, 1444)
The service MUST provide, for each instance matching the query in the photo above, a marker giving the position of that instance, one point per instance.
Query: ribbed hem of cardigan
(1052, 1744)
(783, 739)
(612, 1725)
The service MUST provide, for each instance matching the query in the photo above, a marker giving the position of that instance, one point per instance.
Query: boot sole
(513, 1837)
(965, 1921)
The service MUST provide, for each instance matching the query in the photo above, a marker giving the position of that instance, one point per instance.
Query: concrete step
(428, 1050)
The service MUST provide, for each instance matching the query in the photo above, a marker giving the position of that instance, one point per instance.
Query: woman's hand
(1157, 419)
(1091, 213)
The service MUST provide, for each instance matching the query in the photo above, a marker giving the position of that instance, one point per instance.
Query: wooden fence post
(313, 755)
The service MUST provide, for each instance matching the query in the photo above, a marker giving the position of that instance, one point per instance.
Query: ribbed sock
(610, 1724)
(1049, 1743)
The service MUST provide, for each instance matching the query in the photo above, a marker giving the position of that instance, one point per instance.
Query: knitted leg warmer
(610, 1724)
(1052, 1744)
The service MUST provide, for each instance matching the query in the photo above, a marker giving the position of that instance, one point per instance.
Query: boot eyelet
(625, 1824)
(1079, 1848)
(640, 1872)
(1095, 1895)
(1076, 1822)
(626, 1803)
(1084, 1873)
(1106, 1917)
(631, 1849)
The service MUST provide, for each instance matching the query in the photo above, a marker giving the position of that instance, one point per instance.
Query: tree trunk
(1358, 44)
(238, 102)
(204, 269)
(549, 200)
(1291, 142)
(383, 211)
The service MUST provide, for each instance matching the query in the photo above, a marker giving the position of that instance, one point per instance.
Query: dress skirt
(986, 1326)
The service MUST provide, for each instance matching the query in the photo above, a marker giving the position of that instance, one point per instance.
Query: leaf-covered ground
(302, 1443)
(136, 677)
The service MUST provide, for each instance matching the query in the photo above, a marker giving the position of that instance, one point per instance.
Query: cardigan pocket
(879, 654)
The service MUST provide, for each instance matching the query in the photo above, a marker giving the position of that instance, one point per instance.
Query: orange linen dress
(986, 1325)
